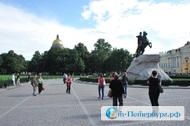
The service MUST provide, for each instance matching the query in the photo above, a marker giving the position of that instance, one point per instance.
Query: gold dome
(57, 43)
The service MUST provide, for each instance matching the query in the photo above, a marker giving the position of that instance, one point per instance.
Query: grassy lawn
(5, 77)
(9, 77)
(182, 79)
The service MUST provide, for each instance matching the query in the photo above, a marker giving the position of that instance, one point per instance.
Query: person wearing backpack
(101, 85)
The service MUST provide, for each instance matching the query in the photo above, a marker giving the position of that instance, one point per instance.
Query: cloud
(118, 22)
(25, 33)
(166, 22)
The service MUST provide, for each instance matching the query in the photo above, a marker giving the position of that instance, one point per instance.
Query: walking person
(64, 78)
(29, 77)
(68, 83)
(18, 80)
(117, 90)
(34, 84)
(101, 85)
(154, 92)
(40, 84)
(13, 79)
(160, 78)
(125, 83)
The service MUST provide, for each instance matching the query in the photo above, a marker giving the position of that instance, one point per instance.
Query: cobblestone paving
(18, 107)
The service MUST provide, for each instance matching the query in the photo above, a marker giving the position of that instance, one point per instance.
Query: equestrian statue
(142, 43)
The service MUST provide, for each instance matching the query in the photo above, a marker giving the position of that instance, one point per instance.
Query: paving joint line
(84, 109)
(138, 100)
(4, 114)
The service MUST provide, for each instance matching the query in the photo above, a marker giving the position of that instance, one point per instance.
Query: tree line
(102, 59)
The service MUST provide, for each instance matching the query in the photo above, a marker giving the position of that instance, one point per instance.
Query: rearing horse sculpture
(142, 45)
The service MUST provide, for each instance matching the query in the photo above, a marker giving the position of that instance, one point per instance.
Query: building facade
(176, 61)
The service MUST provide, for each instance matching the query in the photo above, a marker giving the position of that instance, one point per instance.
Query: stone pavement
(18, 107)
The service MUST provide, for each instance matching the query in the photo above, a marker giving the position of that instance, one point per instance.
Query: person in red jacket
(68, 83)
(101, 85)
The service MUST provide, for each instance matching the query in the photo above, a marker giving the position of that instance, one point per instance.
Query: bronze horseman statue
(142, 43)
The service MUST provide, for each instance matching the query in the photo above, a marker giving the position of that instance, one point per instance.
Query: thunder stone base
(142, 67)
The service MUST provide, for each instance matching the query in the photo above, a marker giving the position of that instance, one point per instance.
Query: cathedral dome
(57, 43)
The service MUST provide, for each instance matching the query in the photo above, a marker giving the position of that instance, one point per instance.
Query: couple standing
(118, 88)
(37, 82)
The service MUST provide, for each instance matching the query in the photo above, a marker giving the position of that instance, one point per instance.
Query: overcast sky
(28, 26)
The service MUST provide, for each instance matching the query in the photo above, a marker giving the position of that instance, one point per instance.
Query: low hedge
(144, 82)
(6, 83)
(89, 79)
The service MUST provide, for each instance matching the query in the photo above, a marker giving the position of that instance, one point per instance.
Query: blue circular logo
(111, 113)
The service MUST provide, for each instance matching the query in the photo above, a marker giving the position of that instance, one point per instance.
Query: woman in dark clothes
(154, 93)
(117, 90)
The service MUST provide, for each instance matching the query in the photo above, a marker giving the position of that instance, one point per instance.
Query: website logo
(111, 113)
(159, 113)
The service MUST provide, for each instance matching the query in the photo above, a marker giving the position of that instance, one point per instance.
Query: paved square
(18, 107)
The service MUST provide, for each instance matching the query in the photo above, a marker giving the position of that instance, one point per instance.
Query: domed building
(57, 43)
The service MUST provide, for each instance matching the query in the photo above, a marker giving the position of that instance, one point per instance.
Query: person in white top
(40, 84)
(64, 78)
(13, 79)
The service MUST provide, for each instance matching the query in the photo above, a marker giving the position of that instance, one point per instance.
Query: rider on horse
(144, 38)
(139, 38)
(142, 43)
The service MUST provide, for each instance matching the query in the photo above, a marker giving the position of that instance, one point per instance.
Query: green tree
(82, 57)
(102, 49)
(119, 60)
(53, 60)
(92, 63)
(12, 63)
(99, 55)
(82, 51)
(21, 64)
(2, 70)
(75, 62)
(35, 65)
(44, 61)
(1, 60)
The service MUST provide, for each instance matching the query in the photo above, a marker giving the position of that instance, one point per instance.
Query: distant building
(176, 60)
(57, 43)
